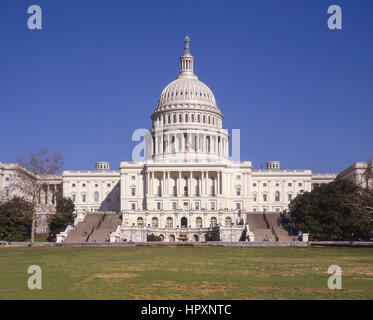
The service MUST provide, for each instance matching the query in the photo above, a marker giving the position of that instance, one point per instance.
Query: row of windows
(290, 184)
(184, 222)
(186, 205)
(186, 118)
(277, 197)
(96, 197)
(84, 185)
(186, 93)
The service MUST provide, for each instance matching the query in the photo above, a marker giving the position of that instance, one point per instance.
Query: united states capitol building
(186, 187)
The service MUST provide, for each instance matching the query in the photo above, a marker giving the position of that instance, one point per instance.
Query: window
(169, 223)
(174, 118)
(238, 206)
(140, 221)
(108, 185)
(133, 206)
(238, 177)
(254, 184)
(73, 185)
(96, 185)
(199, 118)
(175, 190)
(186, 117)
(277, 196)
(290, 197)
(213, 191)
(174, 205)
(159, 206)
(196, 205)
(7, 179)
(198, 222)
(154, 222)
(133, 177)
(264, 184)
(197, 191)
(180, 118)
(238, 191)
(133, 191)
(159, 191)
(254, 209)
(299, 184)
(228, 221)
(254, 198)
(192, 117)
(83, 185)
(264, 197)
(83, 198)
(73, 197)
(290, 184)
(213, 222)
(277, 184)
(96, 196)
(212, 205)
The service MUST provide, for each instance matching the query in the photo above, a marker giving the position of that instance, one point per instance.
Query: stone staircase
(108, 225)
(259, 227)
(96, 227)
(274, 220)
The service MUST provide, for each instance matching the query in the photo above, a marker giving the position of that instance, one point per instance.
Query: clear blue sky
(299, 92)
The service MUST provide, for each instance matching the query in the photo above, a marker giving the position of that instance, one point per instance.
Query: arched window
(213, 222)
(96, 196)
(228, 221)
(174, 120)
(277, 196)
(198, 222)
(169, 223)
(184, 222)
(154, 222)
(140, 221)
(198, 118)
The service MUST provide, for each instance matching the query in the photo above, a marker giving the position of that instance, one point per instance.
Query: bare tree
(32, 178)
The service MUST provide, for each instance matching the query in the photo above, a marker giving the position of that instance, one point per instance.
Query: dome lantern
(186, 61)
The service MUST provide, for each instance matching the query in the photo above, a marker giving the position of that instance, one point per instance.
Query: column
(190, 184)
(147, 182)
(207, 182)
(179, 185)
(125, 184)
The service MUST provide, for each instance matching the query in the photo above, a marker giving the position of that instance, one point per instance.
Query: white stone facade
(93, 190)
(359, 173)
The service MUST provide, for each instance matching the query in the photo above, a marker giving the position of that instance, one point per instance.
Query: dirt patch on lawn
(122, 275)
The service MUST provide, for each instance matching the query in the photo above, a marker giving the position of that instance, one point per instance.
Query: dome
(187, 92)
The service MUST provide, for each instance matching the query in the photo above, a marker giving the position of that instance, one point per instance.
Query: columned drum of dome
(187, 123)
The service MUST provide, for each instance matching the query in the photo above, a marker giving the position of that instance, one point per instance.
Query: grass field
(186, 273)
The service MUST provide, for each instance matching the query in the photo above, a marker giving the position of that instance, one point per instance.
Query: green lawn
(186, 273)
